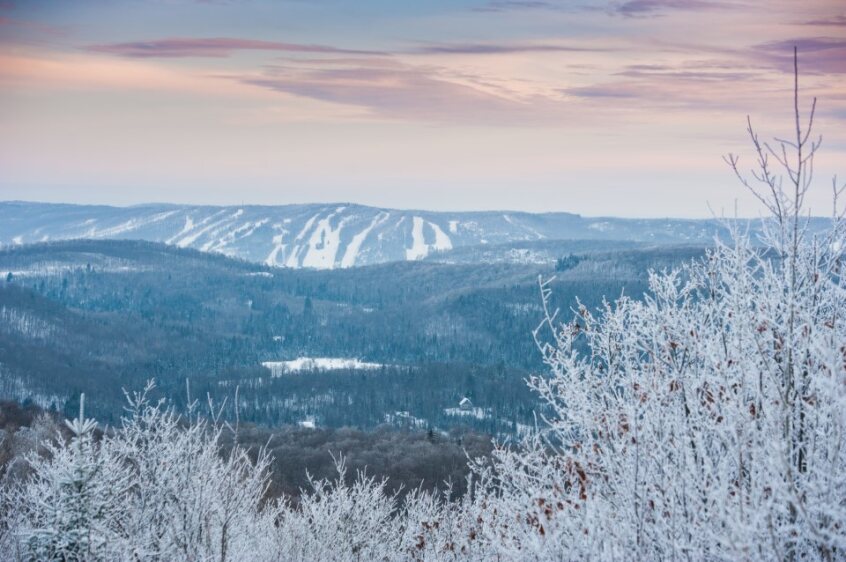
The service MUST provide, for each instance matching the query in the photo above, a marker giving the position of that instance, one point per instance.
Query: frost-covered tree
(188, 501)
(71, 508)
(158, 488)
(336, 521)
(708, 419)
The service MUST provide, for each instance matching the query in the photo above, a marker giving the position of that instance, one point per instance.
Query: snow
(293, 259)
(212, 228)
(17, 240)
(478, 413)
(189, 225)
(13, 320)
(279, 368)
(419, 248)
(231, 236)
(405, 418)
(41, 269)
(129, 226)
(523, 255)
(355, 244)
(190, 236)
(512, 222)
(442, 241)
(453, 227)
(324, 243)
(278, 247)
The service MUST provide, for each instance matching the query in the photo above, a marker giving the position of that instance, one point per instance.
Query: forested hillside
(107, 315)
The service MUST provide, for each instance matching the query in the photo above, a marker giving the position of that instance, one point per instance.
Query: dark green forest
(102, 316)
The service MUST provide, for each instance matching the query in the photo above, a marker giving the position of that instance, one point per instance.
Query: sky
(621, 107)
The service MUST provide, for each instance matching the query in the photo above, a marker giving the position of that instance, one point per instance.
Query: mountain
(338, 235)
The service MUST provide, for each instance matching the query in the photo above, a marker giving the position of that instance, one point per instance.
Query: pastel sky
(620, 107)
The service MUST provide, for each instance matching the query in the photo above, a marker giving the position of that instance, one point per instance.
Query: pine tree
(71, 509)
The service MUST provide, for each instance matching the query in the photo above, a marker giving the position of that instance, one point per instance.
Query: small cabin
(466, 404)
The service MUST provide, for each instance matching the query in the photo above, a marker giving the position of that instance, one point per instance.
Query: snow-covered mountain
(325, 236)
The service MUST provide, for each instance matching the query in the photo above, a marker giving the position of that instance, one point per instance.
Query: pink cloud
(503, 48)
(644, 8)
(210, 47)
(826, 55)
(400, 91)
(833, 21)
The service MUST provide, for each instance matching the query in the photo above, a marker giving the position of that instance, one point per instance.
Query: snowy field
(301, 364)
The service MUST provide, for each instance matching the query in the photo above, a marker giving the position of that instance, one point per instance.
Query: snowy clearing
(279, 368)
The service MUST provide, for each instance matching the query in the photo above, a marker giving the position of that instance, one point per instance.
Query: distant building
(466, 404)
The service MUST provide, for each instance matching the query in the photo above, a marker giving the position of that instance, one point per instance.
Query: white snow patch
(242, 231)
(272, 257)
(293, 259)
(279, 368)
(478, 413)
(405, 418)
(219, 239)
(190, 239)
(442, 241)
(191, 235)
(130, 225)
(511, 221)
(418, 249)
(189, 225)
(324, 243)
(453, 227)
(354, 246)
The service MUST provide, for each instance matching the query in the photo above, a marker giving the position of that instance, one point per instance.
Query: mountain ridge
(329, 236)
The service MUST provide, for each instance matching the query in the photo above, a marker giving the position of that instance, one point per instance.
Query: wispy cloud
(816, 54)
(177, 47)
(511, 5)
(833, 21)
(651, 8)
(613, 90)
(27, 28)
(685, 85)
(397, 90)
(706, 74)
(504, 48)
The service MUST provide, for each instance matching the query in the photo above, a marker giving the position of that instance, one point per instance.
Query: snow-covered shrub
(72, 506)
(706, 420)
(155, 489)
(188, 501)
(336, 521)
